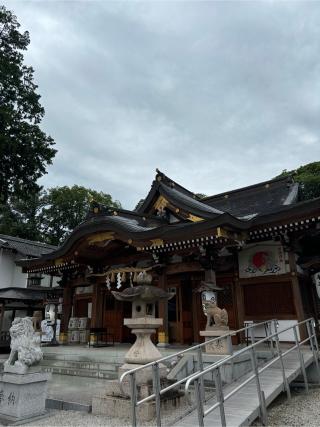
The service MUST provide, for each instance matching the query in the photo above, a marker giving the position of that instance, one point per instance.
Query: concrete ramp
(242, 408)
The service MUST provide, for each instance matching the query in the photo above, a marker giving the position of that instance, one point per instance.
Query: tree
(25, 150)
(63, 208)
(309, 178)
(20, 216)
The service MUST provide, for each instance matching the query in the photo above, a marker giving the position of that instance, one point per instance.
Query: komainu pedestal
(23, 396)
(23, 388)
(221, 346)
(217, 326)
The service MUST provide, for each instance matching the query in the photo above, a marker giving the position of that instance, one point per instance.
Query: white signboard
(262, 259)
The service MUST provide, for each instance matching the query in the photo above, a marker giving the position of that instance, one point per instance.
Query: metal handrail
(215, 368)
(157, 391)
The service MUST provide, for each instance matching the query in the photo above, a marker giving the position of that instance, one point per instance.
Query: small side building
(22, 294)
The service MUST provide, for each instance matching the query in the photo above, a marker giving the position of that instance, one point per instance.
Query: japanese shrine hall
(262, 243)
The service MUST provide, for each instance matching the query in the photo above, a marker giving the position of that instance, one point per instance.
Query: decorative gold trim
(221, 232)
(157, 242)
(194, 218)
(101, 237)
(59, 261)
(160, 203)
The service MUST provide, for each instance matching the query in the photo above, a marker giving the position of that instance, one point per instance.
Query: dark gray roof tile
(25, 247)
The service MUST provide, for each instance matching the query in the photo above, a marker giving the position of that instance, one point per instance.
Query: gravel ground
(303, 410)
(76, 418)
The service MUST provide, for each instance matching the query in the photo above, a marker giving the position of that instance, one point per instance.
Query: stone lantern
(143, 322)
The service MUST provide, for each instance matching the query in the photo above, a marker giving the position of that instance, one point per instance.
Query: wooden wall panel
(268, 300)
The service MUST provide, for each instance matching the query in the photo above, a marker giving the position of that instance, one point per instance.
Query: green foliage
(25, 150)
(50, 215)
(309, 178)
(63, 208)
(19, 217)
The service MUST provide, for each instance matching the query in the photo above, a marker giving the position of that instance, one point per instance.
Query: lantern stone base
(144, 376)
(114, 403)
(222, 346)
(22, 396)
(143, 350)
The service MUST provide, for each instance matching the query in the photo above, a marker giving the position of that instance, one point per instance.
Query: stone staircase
(77, 366)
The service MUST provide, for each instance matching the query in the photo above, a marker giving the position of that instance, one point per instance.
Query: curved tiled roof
(188, 203)
(240, 210)
(256, 199)
(25, 247)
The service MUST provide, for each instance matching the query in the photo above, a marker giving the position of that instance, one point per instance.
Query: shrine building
(261, 242)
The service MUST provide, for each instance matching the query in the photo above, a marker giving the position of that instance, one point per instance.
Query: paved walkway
(75, 389)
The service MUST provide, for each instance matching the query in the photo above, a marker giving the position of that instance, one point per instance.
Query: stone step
(62, 405)
(81, 372)
(75, 364)
(81, 366)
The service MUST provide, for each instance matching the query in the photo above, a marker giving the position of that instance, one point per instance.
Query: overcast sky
(217, 95)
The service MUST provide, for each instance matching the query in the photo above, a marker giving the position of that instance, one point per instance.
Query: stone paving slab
(74, 389)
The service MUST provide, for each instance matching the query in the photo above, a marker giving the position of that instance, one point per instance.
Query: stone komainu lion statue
(215, 315)
(25, 345)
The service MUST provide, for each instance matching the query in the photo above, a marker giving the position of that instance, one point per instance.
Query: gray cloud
(218, 95)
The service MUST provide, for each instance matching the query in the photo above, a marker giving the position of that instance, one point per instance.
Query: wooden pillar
(196, 303)
(297, 299)
(97, 306)
(240, 306)
(67, 307)
(163, 336)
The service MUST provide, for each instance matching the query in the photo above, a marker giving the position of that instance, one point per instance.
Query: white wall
(259, 331)
(11, 274)
(7, 268)
(19, 279)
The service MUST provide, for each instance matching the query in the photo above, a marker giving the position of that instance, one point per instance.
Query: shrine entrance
(185, 312)
(113, 314)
